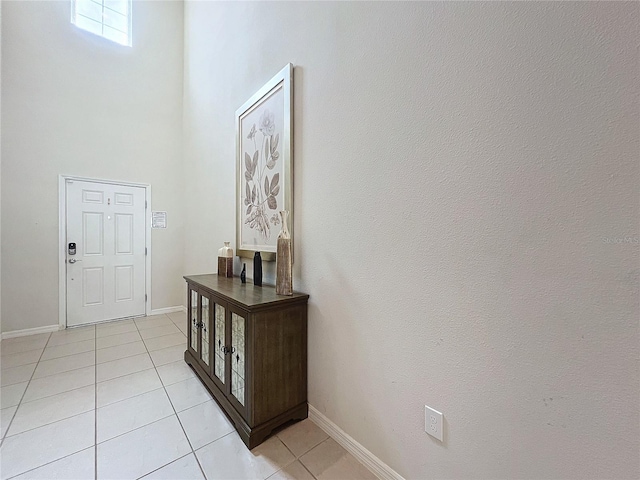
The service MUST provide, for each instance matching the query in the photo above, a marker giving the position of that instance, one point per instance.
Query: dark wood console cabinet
(249, 348)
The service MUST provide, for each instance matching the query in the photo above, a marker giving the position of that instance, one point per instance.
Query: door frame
(62, 238)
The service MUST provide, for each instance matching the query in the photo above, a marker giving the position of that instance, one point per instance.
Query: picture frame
(264, 166)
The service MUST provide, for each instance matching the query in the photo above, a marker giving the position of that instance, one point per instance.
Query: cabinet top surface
(243, 293)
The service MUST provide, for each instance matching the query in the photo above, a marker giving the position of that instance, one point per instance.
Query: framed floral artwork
(264, 166)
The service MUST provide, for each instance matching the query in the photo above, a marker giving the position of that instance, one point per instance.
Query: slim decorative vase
(284, 259)
(257, 269)
(243, 273)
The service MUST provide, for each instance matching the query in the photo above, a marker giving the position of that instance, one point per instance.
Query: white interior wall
(460, 170)
(76, 104)
(0, 166)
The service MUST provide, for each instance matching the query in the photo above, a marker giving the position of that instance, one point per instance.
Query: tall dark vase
(257, 269)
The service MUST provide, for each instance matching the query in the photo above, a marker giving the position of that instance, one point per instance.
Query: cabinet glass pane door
(204, 351)
(237, 357)
(218, 343)
(193, 320)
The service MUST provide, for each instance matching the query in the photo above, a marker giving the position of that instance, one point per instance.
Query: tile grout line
(126, 374)
(103, 406)
(95, 405)
(69, 355)
(185, 432)
(127, 355)
(119, 435)
(193, 451)
(103, 381)
(94, 337)
(18, 353)
(49, 463)
(134, 429)
(21, 402)
(295, 459)
(159, 468)
(115, 346)
(129, 398)
(87, 366)
(23, 393)
(20, 366)
(174, 412)
(65, 356)
(50, 423)
(94, 446)
(285, 446)
(298, 457)
(24, 402)
(305, 467)
(134, 373)
(164, 387)
(113, 321)
(29, 383)
(65, 371)
(95, 359)
(69, 334)
(182, 426)
(217, 439)
(139, 334)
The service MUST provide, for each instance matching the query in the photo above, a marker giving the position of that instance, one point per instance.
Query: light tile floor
(117, 401)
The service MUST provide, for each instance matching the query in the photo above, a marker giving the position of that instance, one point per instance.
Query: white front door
(106, 276)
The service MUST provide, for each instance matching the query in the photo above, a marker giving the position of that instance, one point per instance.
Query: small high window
(110, 19)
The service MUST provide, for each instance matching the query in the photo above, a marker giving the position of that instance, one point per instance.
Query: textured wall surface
(76, 104)
(462, 173)
(0, 167)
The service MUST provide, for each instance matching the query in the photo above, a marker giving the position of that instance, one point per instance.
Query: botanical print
(262, 171)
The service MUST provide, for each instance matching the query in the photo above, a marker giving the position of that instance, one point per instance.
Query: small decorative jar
(225, 260)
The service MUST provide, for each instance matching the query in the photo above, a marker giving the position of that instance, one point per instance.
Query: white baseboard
(159, 311)
(30, 331)
(55, 328)
(364, 456)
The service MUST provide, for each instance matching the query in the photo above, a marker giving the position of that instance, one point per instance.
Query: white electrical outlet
(433, 423)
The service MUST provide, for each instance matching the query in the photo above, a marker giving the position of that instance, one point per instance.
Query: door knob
(73, 260)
